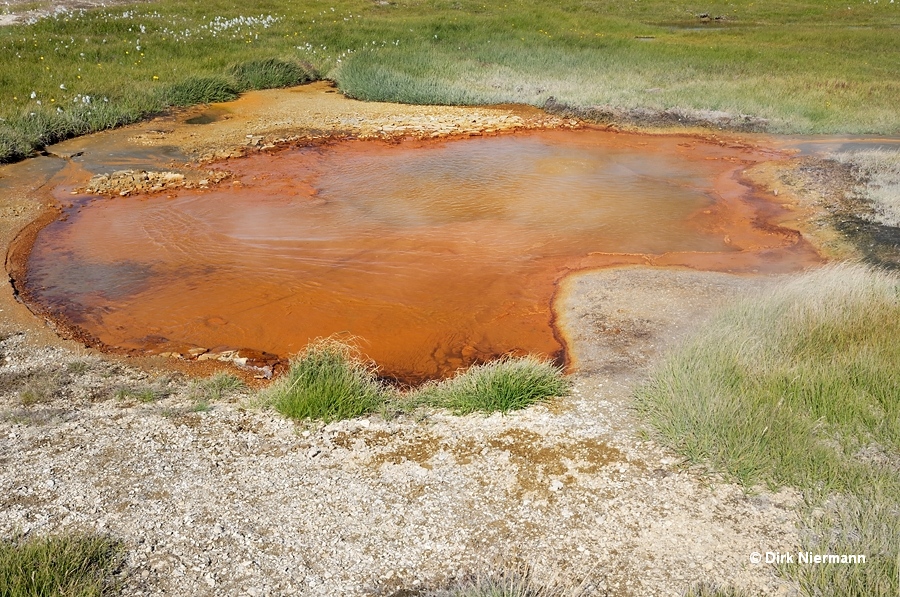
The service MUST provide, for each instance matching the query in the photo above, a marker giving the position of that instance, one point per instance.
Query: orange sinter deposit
(434, 255)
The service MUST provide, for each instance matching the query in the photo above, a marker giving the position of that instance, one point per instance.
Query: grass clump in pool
(510, 383)
(65, 565)
(327, 381)
(274, 72)
(801, 387)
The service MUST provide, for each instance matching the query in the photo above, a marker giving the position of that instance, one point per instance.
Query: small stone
(556, 485)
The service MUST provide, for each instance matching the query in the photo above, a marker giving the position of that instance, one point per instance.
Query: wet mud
(430, 255)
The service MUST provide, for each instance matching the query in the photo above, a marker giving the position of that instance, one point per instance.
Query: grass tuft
(217, 386)
(801, 387)
(78, 367)
(65, 565)
(507, 384)
(330, 381)
(267, 74)
(144, 393)
(40, 388)
(327, 381)
(213, 388)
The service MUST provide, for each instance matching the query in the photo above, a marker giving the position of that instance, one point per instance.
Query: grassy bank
(801, 387)
(807, 67)
(330, 381)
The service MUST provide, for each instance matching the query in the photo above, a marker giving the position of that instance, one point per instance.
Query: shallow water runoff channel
(431, 255)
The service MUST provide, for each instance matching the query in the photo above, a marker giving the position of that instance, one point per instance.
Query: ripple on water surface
(434, 255)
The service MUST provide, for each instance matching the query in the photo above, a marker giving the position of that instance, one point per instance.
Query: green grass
(66, 566)
(216, 386)
(801, 387)
(213, 388)
(200, 90)
(142, 393)
(40, 388)
(327, 381)
(499, 386)
(826, 66)
(271, 73)
(330, 381)
(77, 368)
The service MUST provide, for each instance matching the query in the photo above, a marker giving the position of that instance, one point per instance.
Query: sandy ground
(234, 500)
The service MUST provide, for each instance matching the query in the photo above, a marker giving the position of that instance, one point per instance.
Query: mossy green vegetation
(64, 566)
(801, 387)
(827, 66)
(330, 381)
